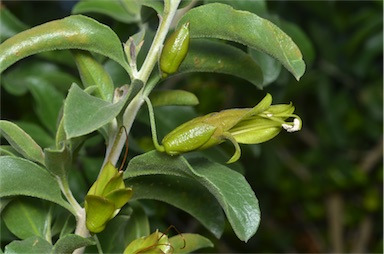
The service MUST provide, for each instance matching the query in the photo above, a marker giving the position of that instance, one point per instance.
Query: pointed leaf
(214, 56)
(73, 32)
(21, 141)
(158, 176)
(26, 217)
(234, 194)
(33, 244)
(71, 242)
(223, 22)
(22, 177)
(93, 112)
(92, 73)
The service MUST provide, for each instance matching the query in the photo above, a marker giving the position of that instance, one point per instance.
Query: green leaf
(22, 177)
(270, 67)
(173, 97)
(73, 32)
(113, 9)
(58, 161)
(71, 242)
(48, 103)
(258, 7)
(215, 56)
(21, 141)
(17, 80)
(223, 22)
(92, 73)
(192, 243)
(33, 244)
(157, 176)
(138, 223)
(9, 24)
(37, 132)
(26, 217)
(93, 112)
(234, 194)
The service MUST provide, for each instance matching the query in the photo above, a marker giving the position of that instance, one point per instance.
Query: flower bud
(245, 126)
(174, 51)
(105, 198)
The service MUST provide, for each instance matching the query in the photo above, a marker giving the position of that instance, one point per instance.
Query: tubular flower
(105, 198)
(245, 126)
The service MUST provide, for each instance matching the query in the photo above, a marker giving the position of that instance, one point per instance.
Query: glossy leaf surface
(213, 56)
(73, 32)
(221, 21)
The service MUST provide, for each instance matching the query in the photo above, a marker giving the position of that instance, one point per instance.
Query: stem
(153, 125)
(170, 8)
(117, 143)
(78, 211)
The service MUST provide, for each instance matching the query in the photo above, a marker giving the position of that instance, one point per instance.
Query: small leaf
(73, 32)
(113, 9)
(221, 21)
(92, 73)
(33, 244)
(22, 177)
(21, 141)
(58, 161)
(173, 97)
(213, 56)
(26, 217)
(188, 243)
(71, 242)
(93, 112)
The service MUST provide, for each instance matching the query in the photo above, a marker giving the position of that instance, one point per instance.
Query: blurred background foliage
(321, 189)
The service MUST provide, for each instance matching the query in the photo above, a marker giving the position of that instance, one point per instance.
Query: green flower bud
(105, 198)
(246, 126)
(174, 51)
(156, 242)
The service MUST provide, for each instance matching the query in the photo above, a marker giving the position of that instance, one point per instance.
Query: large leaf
(223, 22)
(92, 111)
(21, 141)
(229, 187)
(33, 244)
(214, 56)
(156, 176)
(73, 32)
(22, 177)
(26, 217)
(234, 194)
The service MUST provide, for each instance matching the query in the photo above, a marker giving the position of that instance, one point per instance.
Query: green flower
(105, 198)
(245, 126)
(156, 242)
